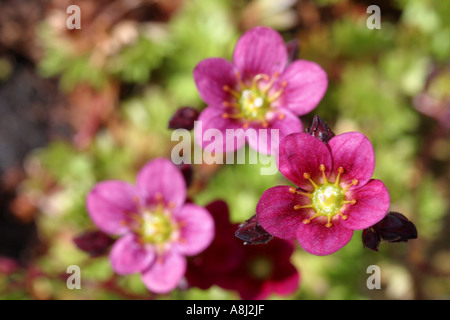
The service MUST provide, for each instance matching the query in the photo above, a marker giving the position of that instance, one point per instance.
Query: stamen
(307, 176)
(295, 191)
(322, 168)
(238, 77)
(137, 200)
(246, 125)
(277, 93)
(354, 183)
(270, 83)
(343, 216)
(281, 116)
(232, 115)
(227, 104)
(353, 201)
(231, 91)
(340, 171)
(298, 206)
(265, 124)
(307, 221)
(257, 78)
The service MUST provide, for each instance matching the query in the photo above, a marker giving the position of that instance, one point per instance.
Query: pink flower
(335, 193)
(157, 228)
(254, 271)
(260, 89)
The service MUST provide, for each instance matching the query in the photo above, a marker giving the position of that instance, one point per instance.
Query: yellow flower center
(260, 267)
(327, 199)
(252, 102)
(154, 225)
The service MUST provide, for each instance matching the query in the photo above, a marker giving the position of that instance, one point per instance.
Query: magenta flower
(335, 193)
(254, 271)
(157, 228)
(258, 90)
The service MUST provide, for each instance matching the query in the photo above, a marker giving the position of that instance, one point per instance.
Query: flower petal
(127, 256)
(211, 131)
(317, 239)
(260, 50)
(160, 177)
(275, 212)
(108, 204)
(306, 82)
(267, 140)
(210, 76)
(197, 229)
(301, 153)
(353, 152)
(372, 205)
(286, 281)
(165, 274)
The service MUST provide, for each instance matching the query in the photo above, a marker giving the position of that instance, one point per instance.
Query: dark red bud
(96, 243)
(371, 239)
(251, 232)
(320, 130)
(395, 227)
(184, 118)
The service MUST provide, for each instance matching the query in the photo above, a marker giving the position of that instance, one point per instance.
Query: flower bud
(395, 227)
(95, 243)
(251, 232)
(371, 239)
(184, 118)
(320, 130)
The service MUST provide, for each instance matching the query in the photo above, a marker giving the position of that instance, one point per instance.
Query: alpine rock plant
(157, 229)
(335, 192)
(260, 89)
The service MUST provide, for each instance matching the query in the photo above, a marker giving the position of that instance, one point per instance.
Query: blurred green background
(80, 106)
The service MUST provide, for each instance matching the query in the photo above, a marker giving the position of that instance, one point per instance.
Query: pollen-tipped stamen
(307, 176)
(270, 83)
(228, 104)
(231, 91)
(295, 191)
(322, 168)
(353, 201)
(257, 78)
(343, 216)
(238, 77)
(232, 115)
(277, 93)
(299, 206)
(354, 183)
(340, 171)
(329, 224)
(308, 220)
